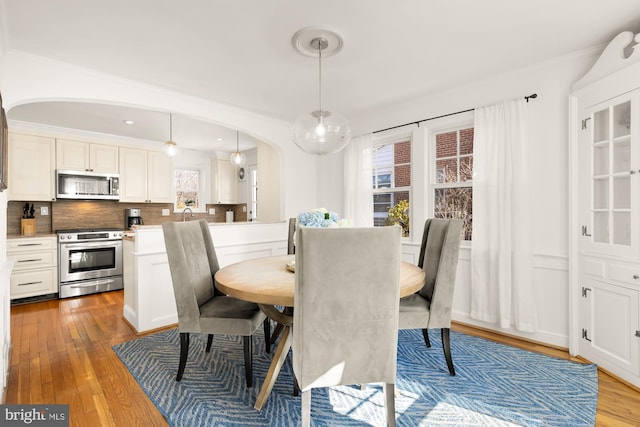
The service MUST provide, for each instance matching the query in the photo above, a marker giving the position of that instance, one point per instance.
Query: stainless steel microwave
(87, 185)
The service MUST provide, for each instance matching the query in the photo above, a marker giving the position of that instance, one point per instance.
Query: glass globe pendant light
(237, 158)
(170, 147)
(321, 131)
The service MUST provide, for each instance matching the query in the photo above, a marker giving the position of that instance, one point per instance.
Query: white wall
(548, 139)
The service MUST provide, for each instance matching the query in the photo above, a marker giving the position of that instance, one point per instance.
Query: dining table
(270, 283)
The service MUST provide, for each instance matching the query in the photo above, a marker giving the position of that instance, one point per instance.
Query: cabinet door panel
(103, 158)
(133, 175)
(33, 282)
(31, 168)
(611, 328)
(160, 175)
(72, 155)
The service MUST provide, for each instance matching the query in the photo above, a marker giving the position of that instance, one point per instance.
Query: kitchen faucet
(185, 211)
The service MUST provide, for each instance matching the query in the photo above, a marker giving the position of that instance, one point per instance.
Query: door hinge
(585, 231)
(584, 335)
(584, 123)
(584, 291)
(638, 334)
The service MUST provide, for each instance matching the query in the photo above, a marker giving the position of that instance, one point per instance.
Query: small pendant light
(170, 147)
(237, 158)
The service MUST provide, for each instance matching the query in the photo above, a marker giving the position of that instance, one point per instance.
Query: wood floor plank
(62, 353)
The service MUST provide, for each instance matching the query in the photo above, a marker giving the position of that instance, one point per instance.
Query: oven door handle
(90, 245)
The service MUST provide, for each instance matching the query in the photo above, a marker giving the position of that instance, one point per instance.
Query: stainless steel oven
(89, 261)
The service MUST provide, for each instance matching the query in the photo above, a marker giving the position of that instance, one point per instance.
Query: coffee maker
(132, 217)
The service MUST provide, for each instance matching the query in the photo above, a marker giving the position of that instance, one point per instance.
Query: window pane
(466, 169)
(403, 176)
(447, 144)
(466, 141)
(455, 203)
(447, 170)
(402, 152)
(187, 183)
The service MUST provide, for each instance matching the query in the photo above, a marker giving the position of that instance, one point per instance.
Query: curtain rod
(532, 96)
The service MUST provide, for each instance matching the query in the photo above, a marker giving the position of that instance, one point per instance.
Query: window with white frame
(187, 185)
(452, 177)
(392, 183)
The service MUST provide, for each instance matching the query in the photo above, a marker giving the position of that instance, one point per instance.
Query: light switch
(212, 211)
(244, 208)
(44, 210)
(165, 212)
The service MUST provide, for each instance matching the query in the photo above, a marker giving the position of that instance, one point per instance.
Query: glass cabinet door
(611, 134)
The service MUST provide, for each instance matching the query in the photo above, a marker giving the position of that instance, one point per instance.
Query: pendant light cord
(170, 127)
(320, 74)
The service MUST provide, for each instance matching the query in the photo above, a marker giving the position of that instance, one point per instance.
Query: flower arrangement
(399, 214)
(321, 218)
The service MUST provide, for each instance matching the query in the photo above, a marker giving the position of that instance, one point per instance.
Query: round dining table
(270, 282)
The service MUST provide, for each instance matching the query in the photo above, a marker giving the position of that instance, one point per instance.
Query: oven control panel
(65, 236)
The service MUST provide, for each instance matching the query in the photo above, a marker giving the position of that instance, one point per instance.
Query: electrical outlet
(212, 211)
(165, 212)
(244, 208)
(44, 210)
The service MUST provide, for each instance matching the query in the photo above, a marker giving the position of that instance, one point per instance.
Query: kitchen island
(148, 293)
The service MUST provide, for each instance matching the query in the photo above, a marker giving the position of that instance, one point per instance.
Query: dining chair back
(431, 306)
(291, 244)
(346, 309)
(201, 307)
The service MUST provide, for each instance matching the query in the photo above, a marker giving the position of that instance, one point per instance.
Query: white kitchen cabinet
(35, 270)
(225, 185)
(145, 176)
(31, 174)
(85, 156)
(605, 107)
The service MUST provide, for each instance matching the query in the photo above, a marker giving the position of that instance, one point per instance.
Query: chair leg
(248, 359)
(425, 334)
(209, 342)
(390, 403)
(184, 350)
(296, 387)
(267, 335)
(306, 408)
(446, 347)
(276, 333)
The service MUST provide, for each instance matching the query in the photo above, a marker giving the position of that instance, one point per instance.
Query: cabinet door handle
(636, 277)
(632, 172)
(29, 244)
(30, 283)
(38, 259)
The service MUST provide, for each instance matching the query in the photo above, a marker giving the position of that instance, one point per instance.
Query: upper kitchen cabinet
(145, 176)
(31, 167)
(85, 156)
(224, 187)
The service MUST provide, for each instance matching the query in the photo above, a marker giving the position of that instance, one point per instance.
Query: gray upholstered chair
(339, 336)
(291, 244)
(431, 306)
(201, 307)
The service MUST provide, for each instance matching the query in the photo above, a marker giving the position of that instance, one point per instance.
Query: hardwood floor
(61, 353)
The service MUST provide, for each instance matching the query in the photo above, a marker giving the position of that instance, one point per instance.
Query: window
(187, 184)
(392, 183)
(453, 175)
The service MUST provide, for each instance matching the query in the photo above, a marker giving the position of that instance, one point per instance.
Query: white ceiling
(240, 52)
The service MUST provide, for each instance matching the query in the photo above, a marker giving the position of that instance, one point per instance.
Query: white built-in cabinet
(35, 261)
(31, 163)
(605, 108)
(86, 156)
(145, 176)
(224, 188)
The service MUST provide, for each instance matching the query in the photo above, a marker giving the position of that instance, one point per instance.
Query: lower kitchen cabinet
(35, 270)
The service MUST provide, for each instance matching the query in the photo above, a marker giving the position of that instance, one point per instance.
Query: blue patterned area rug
(494, 385)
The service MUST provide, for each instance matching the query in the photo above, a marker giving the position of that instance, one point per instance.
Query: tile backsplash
(67, 214)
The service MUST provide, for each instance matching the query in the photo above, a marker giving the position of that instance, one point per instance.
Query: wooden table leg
(274, 369)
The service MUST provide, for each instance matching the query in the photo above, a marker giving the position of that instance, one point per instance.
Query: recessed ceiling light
(128, 122)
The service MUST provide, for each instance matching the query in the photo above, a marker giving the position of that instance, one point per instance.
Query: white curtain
(501, 282)
(358, 184)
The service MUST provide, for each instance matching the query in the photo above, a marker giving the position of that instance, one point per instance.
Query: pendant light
(170, 147)
(320, 131)
(237, 158)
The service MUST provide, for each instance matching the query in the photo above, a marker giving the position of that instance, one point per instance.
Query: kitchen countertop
(21, 236)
